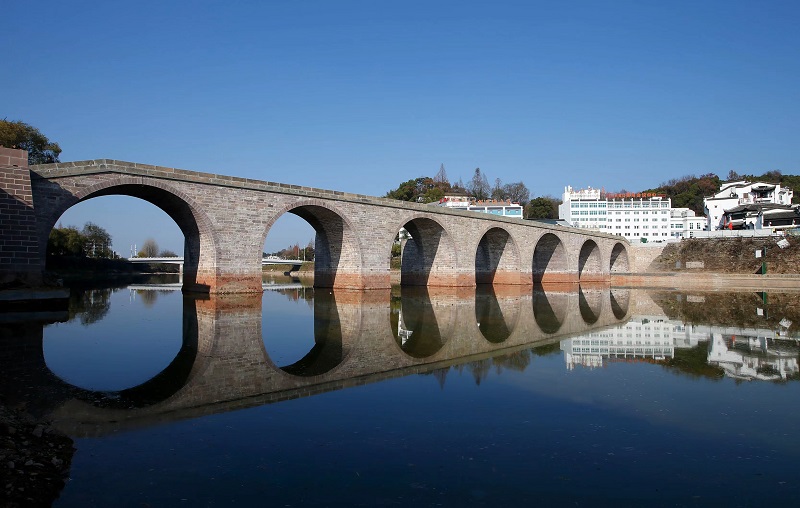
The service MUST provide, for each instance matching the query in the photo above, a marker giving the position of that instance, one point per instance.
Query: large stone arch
(619, 262)
(497, 259)
(337, 250)
(429, 257)
(200, 241)
(550, 260)
(590, 267)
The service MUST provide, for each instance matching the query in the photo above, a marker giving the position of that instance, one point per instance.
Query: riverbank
(35, 460)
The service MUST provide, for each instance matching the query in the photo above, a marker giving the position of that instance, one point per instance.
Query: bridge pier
(19, 244)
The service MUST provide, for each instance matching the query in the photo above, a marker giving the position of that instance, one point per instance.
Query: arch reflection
(620, 299)
(421, 325)
(590, 303)
(495, 314)
(549, 308)
(330, 347)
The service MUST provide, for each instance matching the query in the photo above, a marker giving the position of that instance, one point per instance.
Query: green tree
(545, 207)
(97, 241)
(17, 134)
(421, 190)
(66, 241)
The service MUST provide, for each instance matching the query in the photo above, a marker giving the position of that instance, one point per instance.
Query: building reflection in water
(365, 337)
(741, 352)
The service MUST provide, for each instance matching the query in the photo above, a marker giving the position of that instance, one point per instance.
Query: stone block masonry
(225, 221)
(19, 244)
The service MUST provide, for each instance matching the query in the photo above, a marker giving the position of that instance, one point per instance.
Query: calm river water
(303, 397)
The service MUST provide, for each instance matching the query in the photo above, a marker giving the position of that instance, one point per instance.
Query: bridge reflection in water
(359, 337)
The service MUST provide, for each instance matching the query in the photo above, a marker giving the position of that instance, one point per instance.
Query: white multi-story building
(683, 223)
(733, 194)
(639, 217)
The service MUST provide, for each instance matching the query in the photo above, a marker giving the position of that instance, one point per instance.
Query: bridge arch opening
(427, 254)
(619, 259)
(336, 252)
(127, 220)
(589, 264)
(497, 259)
(550, 262)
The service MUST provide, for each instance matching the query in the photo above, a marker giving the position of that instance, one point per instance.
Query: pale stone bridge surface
(223, 364)
(225, 221)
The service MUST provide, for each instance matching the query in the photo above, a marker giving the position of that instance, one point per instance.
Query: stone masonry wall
(19, 245)
(226, 220)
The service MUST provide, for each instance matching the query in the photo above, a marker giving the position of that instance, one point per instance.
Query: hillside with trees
(425, 189)
(689, 191)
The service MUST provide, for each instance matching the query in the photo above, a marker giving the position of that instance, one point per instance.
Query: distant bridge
(225, 221)
(178, 260)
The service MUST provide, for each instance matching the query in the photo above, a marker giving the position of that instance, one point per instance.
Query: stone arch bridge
(225, 221)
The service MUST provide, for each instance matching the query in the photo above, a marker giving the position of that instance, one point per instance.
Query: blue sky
(360, 95)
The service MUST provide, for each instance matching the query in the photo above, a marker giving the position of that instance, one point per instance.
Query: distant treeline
(689, 191)
(685, 192)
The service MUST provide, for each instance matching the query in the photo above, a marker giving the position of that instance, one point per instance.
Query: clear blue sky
(360, 95)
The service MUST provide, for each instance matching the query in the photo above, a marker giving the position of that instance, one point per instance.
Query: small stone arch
(497, 258)
(428, 257)
(550, 260)
(619, 259)
(589, 264)
(199, 251)
(337, 250)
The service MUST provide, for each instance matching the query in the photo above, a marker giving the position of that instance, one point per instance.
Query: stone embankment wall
(642, 256)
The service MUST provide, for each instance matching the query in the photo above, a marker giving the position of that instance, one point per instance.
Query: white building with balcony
(739, 193)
